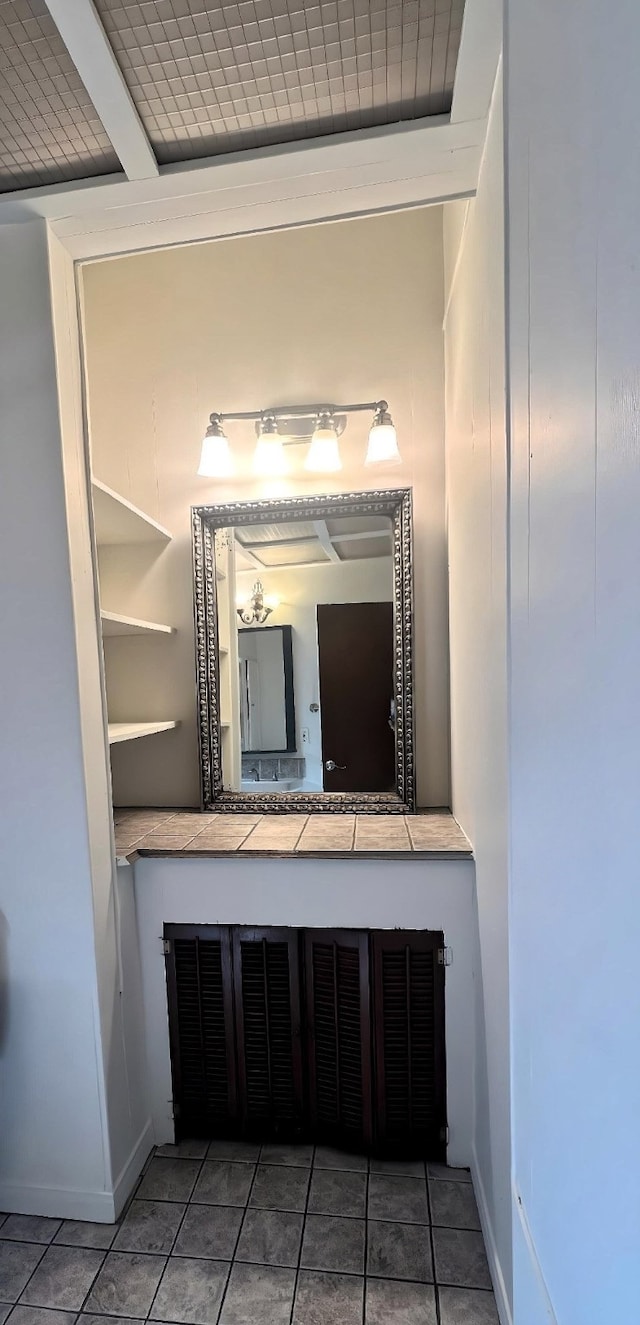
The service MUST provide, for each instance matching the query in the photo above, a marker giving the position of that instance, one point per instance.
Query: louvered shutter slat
(339, 1034)
(267, 992)
(409, 1058)
(201, 1030)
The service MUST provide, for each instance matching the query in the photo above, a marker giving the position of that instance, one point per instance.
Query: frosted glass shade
(269, 458)
(215, 458)
(323, 456)
(383, 445)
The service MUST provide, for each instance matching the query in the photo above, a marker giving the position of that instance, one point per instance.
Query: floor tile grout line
(186, 1204)
(36, 1266)
(232, 1260)
(366, 1241)
(436, 1291)
(201, 1205)
(90, 1288)
(304, 1226)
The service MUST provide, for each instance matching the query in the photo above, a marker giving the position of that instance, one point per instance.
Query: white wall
(60, 1055)
(477, 516)
(299, 591)
(573, 195)
(127, 1121)
(371, 894)
(348, 311)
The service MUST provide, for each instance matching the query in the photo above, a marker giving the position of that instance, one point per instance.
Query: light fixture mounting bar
(299, 411)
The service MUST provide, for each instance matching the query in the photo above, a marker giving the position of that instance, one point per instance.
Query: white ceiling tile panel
(49, 128)
(212, 78)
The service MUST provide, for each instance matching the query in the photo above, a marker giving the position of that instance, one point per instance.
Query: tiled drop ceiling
(49, 129)
(213, 78)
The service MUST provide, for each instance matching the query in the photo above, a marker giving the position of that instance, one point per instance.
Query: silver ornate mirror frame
(396, 503)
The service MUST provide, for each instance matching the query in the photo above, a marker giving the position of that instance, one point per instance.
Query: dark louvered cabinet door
(408, 996)
(339, 1036)
(266, 965)
(200, 995)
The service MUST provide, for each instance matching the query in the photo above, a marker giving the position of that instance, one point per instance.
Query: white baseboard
(129, 1174)
(497, 1276)
(535, 1268)
(59, 1202)
(65, 1203)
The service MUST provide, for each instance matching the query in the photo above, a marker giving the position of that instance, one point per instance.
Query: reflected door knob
(330, 765)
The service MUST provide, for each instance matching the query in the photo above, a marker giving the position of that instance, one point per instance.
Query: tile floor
(228, 1233)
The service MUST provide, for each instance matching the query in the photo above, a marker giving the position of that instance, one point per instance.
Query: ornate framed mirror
(314, 711)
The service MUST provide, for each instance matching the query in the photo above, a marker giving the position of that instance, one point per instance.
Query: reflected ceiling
(313, 542)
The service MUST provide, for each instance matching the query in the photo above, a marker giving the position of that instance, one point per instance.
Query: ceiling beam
(324, 539)
(301, 183)
(249, 555)
(480, 47)
(363, 534)
(82, 32)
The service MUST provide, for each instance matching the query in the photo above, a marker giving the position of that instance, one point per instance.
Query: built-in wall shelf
(131, 731)
(119, 521)
(114, 623)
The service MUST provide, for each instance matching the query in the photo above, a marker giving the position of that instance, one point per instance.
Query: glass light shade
(323, 456)
(215, 458)
(269, 458)
(383, 445)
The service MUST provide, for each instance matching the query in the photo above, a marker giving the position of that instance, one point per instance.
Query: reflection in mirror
(326, 589)
(267, 707)
(304, 652)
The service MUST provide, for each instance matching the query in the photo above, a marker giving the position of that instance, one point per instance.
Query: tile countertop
(428, 834)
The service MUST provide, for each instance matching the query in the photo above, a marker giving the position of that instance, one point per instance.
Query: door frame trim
(205, 520)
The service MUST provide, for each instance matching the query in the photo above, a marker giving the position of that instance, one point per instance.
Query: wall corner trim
(497, 1275)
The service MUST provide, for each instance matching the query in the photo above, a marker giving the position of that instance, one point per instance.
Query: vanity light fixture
(323, 456)
(269, 458)
(216, 460)
(317, 426)
(383, 442)
(258, 607)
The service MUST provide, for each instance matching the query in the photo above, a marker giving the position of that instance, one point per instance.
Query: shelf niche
(131, 731)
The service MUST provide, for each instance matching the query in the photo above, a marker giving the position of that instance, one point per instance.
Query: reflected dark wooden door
(355, 662)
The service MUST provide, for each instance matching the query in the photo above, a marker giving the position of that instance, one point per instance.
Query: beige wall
(350, 311)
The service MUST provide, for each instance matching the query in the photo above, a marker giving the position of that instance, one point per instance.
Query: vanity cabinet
(333, 1036)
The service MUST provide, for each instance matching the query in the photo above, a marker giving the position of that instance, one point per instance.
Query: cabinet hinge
(444, 1135)
(445, 956)
(166, 946)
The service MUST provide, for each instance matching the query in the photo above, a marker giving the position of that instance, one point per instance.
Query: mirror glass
(306, 633)
(266, 709)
